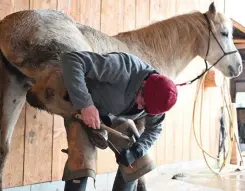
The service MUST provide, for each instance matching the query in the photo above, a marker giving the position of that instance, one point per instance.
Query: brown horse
(32, 41)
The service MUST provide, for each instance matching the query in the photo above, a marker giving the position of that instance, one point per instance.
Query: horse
(31, 42)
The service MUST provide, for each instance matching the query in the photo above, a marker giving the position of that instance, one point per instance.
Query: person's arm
(78, 65)
(153, 128)
(74, 70)
(113, 68)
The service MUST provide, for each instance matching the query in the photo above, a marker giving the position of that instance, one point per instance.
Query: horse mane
(169, 32)
(174, 41)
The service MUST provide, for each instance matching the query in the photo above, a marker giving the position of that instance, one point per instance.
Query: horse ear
(212, 8)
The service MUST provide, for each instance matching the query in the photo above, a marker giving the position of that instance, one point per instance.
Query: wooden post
(235, 158)
(213, 79)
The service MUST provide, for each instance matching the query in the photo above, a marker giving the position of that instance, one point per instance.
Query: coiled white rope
(231, 130)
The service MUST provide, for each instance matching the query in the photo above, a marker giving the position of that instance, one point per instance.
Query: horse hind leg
(13, 89)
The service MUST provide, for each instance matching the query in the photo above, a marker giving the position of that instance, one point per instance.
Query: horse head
(220, 50)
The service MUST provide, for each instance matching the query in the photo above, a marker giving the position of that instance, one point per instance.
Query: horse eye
(225, 34)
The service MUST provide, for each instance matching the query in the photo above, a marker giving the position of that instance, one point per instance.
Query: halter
(205, 60)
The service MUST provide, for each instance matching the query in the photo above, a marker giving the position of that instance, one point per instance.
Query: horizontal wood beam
(240, 46)
(239, 41)
(238, 26)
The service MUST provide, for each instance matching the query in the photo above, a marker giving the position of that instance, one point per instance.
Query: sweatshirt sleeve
(74, 70)
(153, 128)
(76, 66)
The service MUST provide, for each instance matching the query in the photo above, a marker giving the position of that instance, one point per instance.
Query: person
(121, 84)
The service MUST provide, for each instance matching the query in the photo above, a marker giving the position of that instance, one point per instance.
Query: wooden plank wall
(38, 138)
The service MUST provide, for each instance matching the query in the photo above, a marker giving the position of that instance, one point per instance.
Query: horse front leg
(129, 128)
(140, 124)
(13, 89)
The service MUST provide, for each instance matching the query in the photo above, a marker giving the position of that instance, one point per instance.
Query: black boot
(76, 185)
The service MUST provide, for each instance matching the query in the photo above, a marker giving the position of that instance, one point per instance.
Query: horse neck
(170, 44)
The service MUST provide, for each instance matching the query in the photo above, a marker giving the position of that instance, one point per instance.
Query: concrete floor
(201, 179)
(176, 185)
(195, 176)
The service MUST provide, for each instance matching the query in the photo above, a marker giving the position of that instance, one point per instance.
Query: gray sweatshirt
(110, 83)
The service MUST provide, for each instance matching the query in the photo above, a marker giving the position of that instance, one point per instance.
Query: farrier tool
(105, 139)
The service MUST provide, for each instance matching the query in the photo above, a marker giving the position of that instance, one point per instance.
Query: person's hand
(126, 157)
(90, 117)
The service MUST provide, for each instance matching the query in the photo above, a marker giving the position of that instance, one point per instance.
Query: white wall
(236, 10)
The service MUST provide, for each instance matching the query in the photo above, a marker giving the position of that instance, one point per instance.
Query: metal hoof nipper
(99, 137)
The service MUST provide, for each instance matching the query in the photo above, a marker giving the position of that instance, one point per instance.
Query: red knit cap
(160, 94)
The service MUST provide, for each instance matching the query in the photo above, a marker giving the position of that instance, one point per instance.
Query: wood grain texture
(21, 5)
(160, 147)
(110, 16)
(129, 21)
(14, 170)
(37, 4)
(64, 5)
(95, 11)
(142, 13)
(59, 142)
(187, 6)
(75, 9)
(38, 146)
(157, 10)
(90, 13)
(6, 8)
